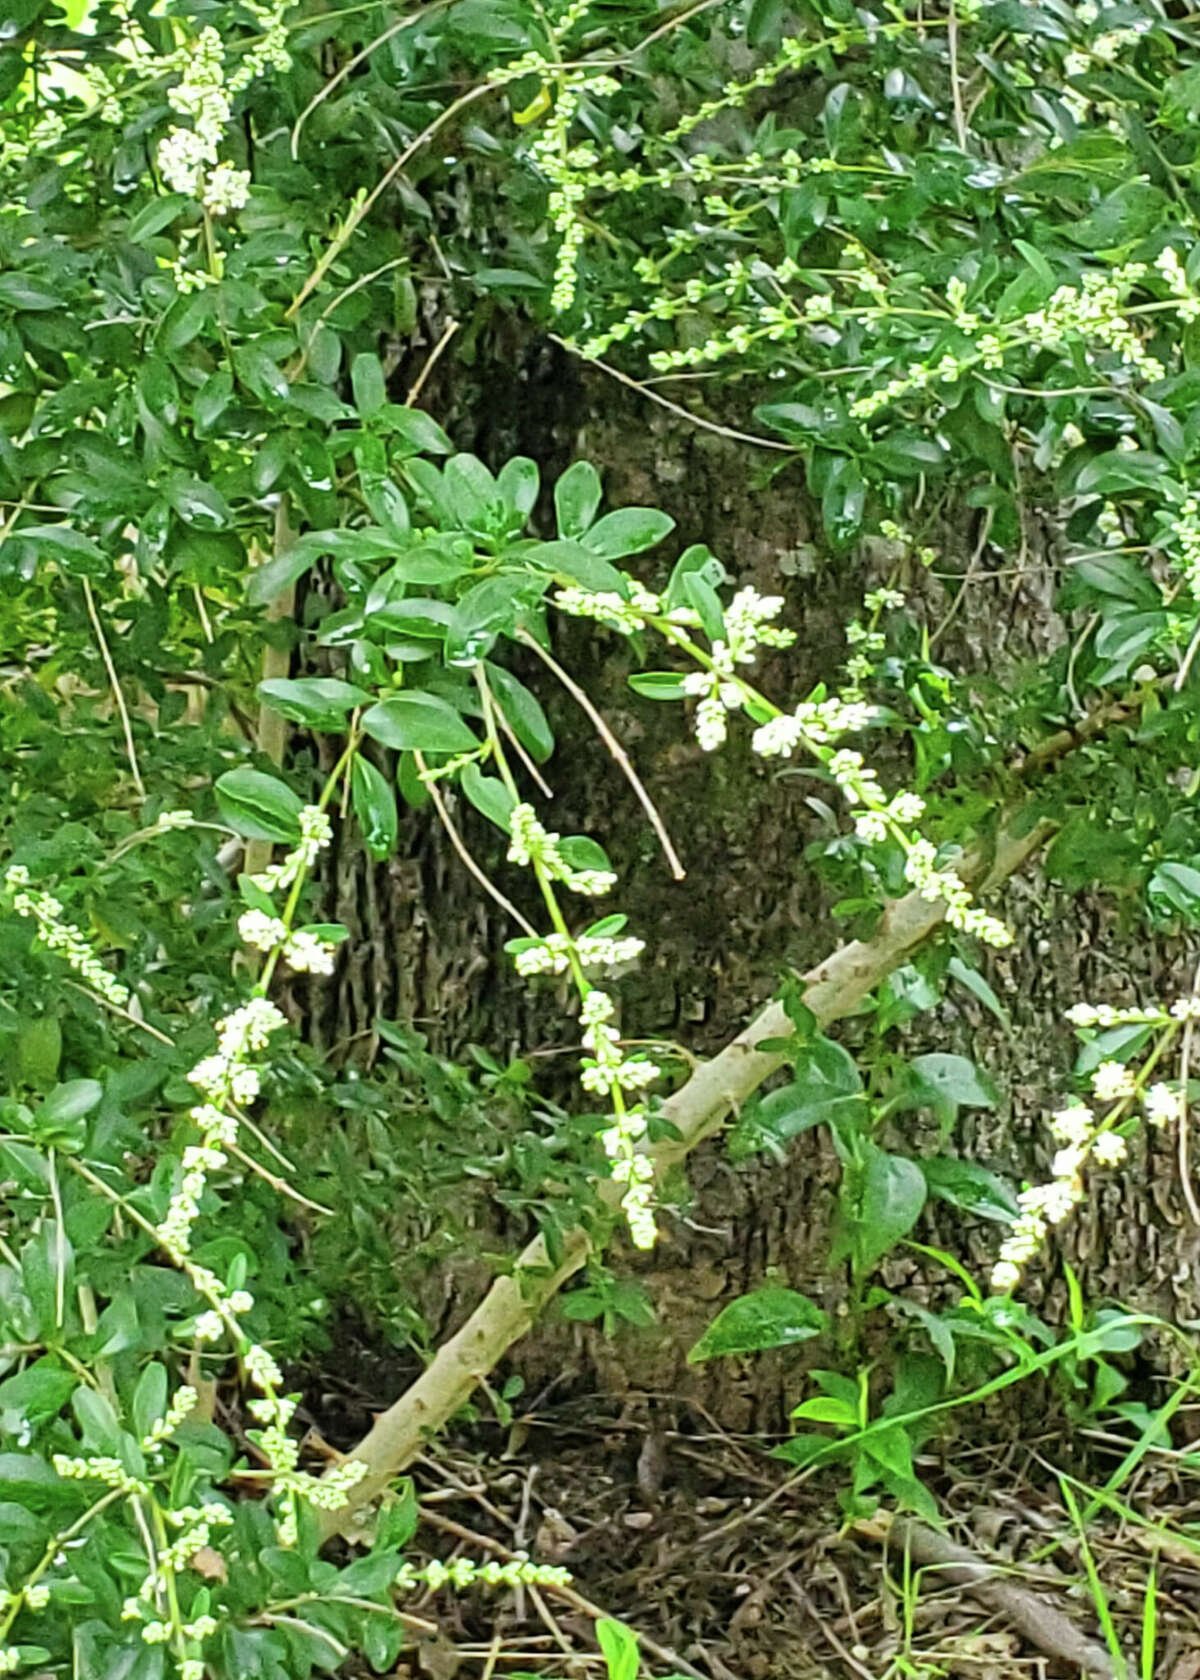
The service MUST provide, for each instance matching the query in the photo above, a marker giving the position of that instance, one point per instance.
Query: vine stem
(617, 751)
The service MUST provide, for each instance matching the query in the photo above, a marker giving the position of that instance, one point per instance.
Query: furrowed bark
(833, 989)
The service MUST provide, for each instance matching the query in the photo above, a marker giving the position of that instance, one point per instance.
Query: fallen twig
(1029, 1612)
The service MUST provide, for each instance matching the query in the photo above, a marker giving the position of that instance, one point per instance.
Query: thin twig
(675, 408)
(360, 57)
(1076, 649)
(279, 1184)
(1184, 1143)
(969, 577)
(130, 749)
(1188, 657)
(619, 755)
(456, 840)
(567, 1594)
(850, 1660)
(350, 226)
(125, 1014)
(532, 768)
(960, 116)
(431, 362)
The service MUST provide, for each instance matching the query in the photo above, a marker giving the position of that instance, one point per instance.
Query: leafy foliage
(941, 287)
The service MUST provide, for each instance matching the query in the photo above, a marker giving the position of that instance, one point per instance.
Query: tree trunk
(426, 944)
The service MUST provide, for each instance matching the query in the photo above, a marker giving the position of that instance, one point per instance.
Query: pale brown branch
(718, 1087)
(459, 844)
(114, 684)
(272, 729)
(675, 408)
(1185, 1113)
(1029, 1612)
(431, 362)
(617, 751)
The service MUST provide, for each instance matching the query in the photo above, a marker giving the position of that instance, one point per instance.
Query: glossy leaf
(770, 1317)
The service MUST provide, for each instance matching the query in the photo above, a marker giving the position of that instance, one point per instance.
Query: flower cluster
(607, 1070)
(315, 834)
(813, 723)
(306, 953)
(532, 845)
(553, 953)
(933, 883)
(461, 1573)
(1080, 1137)
(225, 1079)
(61, 937)
(748, 626)
(189, 158)
(618, 612)
(1172, 270)
(1093, 310)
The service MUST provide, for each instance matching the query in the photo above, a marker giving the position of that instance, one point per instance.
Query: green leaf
(945, 1083)
(258, 806)
(881, 1200)
(523, 710)
(576, 564)
(826, 1090)
(101, 1431)
(658, 685)
(418, 722)
(152, 218)
(374, 802)
(58, 1122)
(700, 594)
(627, 531)
(966, 1185)
(150, 1398)
(197, 503)
(824, 1408)
(368, 384)
(259, 373)
(1116, 1044)
(770, 1317)
(415, 430)
(620, 1649)
(576, 499)
(471, 488)
(1174, 889)
(908, 454)
(518, 482)
(488, 794)
(975, 983)
(319, 702)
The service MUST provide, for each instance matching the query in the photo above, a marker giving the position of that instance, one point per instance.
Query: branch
(832, 990)
(1030, 1613)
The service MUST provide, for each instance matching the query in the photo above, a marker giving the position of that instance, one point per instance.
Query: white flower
(1005, 1276)
(1163, 1105)
(309, 955)
(1110, 1149)
(261, 931)
(1067, 1162)
(225, 189)
(871, 827)
(1111, 1081)
(1073, 1125)
(711, 727)
(777, 739)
